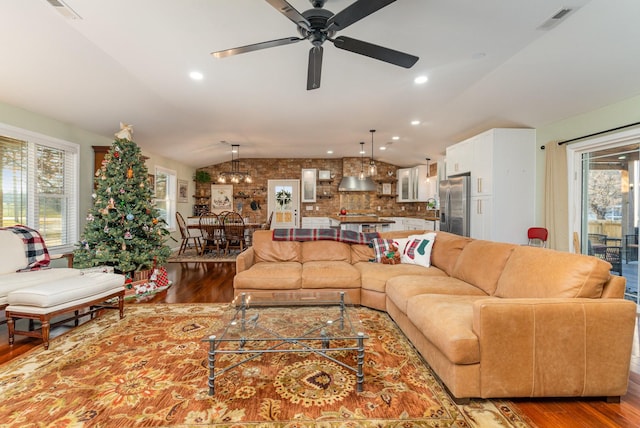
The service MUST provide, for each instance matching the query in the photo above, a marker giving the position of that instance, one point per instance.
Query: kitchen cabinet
(414, 184)
(459, 158)
(316, 222)
(502, 179)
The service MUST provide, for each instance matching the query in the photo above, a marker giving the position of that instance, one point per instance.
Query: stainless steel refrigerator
(455, 201)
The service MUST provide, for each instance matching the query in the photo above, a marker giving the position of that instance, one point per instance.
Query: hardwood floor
(212, 283)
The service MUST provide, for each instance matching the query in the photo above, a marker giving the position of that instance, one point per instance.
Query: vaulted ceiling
(489, 64)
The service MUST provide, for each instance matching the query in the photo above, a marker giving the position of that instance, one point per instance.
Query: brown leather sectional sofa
(491, 319)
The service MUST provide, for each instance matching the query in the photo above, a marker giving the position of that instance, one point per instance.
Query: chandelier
(235, 175)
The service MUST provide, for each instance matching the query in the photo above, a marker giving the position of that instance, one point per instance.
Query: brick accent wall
(329, 201)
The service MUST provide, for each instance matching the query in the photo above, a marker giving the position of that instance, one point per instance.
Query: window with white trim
(166, 185)
(39, 185)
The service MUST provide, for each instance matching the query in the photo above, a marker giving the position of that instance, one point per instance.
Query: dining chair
(212, 232)
(267, 225)
(234, 231)
(187, 236)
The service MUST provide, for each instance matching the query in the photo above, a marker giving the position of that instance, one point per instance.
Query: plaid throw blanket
(34, 248)
(346, 236)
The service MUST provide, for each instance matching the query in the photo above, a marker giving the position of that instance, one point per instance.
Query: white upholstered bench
(46, 300)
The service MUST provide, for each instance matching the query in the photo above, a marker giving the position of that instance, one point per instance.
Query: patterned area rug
(192, 256)
(150, 369)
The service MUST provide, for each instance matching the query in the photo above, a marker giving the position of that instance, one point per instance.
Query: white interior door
(284, 202)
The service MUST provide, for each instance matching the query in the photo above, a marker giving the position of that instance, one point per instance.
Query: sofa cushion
(374, 276)
(67, 290)
(267, 250)
(270, 275)
(330, 274)
(481, 263)
(541, 272)
(418, 249)
(17, 280)
(401, 288)
(325, 251)
(446, 250)
(361, 253)
(13, 255)
(447, 322)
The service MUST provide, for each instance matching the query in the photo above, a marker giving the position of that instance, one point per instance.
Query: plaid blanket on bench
(34, 248)
(346, 236)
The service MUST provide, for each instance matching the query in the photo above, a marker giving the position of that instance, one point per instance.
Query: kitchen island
(361, 223)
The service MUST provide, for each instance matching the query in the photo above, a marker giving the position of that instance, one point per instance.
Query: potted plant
(202, 176)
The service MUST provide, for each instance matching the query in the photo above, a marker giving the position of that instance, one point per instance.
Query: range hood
(354, 184)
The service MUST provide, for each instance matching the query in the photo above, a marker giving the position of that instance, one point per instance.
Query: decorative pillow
(34, 248)
(418, 249)
(382, 246)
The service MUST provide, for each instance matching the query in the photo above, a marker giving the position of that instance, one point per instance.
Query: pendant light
(372, 164)
(362, 175)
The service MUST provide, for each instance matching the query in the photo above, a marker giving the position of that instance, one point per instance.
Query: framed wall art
(183, 188)
(221, 198)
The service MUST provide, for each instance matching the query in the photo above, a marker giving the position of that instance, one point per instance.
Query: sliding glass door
(609, 206)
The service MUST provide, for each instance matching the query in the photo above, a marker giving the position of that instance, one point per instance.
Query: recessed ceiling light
(395, 137)
(421, 79)
(329, 152)
(415, 122)
(383, 148)
(196, 75)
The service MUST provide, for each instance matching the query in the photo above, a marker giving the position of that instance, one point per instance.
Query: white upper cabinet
(459, 158)
(414, 184)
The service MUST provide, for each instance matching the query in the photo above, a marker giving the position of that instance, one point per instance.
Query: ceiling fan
(319, 25)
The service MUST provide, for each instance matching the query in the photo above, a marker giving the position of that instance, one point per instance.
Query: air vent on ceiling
(64, 9)
(557, 18)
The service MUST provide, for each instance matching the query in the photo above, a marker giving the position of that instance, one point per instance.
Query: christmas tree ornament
(124, 247)
(122, 191)
(127, 235)
(154, 221)
(93, 195)
(108, 190)
(130, 217)
(145, 228)
(125, 133)
(112, 204)
(106, 229)
(104, 177)
(130, 173)
(90, 217)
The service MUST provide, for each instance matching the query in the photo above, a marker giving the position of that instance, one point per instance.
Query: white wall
(611, 116)
(44, 125)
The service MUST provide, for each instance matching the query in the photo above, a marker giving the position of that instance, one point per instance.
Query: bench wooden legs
(44, 319)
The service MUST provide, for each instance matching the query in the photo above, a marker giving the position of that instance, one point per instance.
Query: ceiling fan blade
(374, 51)
(290, 12)
(354, 13)
(315, 68)
(256, 47)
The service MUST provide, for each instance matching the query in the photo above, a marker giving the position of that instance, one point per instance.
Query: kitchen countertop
(354, 219)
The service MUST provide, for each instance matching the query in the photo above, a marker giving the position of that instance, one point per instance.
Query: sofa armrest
(245, 260)
(554, 347)
(68, 256)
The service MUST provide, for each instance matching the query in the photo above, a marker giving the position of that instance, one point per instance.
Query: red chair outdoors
(537, 236)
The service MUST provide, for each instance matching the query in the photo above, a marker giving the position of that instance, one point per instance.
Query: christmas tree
(124, 229)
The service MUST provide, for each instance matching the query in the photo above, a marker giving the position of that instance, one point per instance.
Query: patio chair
(612, 255)
(631, 247)
(187, 236)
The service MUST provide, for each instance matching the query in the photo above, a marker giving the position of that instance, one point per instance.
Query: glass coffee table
(258, 323)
